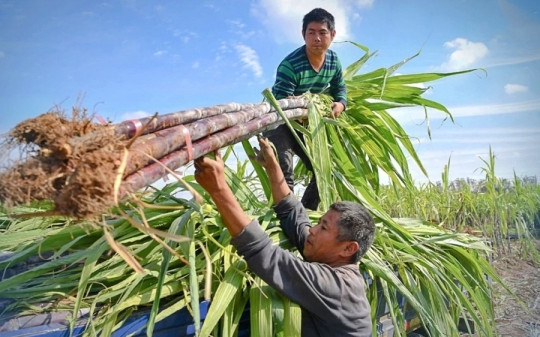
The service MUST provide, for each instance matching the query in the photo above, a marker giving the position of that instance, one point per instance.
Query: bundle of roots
(75, 176)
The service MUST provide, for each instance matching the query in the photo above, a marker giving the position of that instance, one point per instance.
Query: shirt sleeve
(293, 220)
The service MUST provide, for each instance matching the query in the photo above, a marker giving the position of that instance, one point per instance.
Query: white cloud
(237, 23)
(416, 114)
(504, 138)
(515, 88)
(466, 54)
(160, 53)
(513, 61)
(184, 35)
(496, 109)
(223, 49)
(289, 14)
(238, 28)
(364, 3)
(250, 59)
(493, 131)
(195, 65)
(134, 115)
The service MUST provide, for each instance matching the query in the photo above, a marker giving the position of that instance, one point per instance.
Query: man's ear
(333, 34)
(351, 248)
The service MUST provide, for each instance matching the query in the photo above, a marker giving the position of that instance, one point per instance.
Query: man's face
(321, 244)
(318, 37)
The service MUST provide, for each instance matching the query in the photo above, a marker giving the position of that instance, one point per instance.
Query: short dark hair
(355, 224)
(318, 15)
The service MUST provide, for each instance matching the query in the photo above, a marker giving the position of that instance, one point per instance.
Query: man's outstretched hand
(265, 156)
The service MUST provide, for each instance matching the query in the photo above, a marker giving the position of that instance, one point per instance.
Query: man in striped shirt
(314, 68)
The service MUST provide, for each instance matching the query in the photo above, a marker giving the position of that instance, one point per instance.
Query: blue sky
(126, 58)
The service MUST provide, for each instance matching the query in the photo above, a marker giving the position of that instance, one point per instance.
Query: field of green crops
(500, 210)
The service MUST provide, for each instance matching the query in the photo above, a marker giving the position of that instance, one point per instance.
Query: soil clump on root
(72, 162)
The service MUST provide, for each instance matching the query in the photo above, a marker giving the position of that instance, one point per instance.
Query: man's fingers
(257, 155)
(262, 139)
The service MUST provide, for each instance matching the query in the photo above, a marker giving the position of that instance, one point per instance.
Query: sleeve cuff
(344, 102)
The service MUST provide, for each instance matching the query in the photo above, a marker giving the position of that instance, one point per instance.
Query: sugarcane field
(106, 232)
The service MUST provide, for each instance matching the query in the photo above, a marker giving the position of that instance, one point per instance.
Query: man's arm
(285, 85)
(210, 174)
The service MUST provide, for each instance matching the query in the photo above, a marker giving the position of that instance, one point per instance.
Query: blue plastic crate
(179, 324)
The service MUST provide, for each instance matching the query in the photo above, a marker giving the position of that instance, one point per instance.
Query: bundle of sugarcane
(85, 167)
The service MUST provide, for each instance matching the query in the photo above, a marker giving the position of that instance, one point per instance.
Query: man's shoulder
(350, 270)
(348, 275)
(298, 51)
(331, 55)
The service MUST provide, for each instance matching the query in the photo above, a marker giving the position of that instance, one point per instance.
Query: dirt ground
(522, 276)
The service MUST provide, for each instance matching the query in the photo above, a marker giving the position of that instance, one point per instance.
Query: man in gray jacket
(327, 283)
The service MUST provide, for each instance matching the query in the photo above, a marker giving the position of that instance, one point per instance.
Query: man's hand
(265, 156)
(210, 173)
(337, 109)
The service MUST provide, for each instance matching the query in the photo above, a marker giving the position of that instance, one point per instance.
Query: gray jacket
(333, 300)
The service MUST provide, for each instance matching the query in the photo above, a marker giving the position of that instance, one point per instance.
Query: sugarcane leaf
(261, 173)
(224, 294)
(174, 229)
(352, 69)
(260, 309)
(292, 318)
(318, 148)
(95, 253)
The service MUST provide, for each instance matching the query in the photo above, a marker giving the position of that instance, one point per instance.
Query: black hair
(355, 224)
(318, 15)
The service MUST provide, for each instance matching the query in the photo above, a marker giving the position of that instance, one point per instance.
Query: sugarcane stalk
(129, 128)
(153, 172)
(163, 142)
(150, 125)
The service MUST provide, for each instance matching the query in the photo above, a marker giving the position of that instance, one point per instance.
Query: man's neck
(316, 60)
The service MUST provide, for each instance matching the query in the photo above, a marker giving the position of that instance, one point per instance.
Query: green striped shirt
(295, 76)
